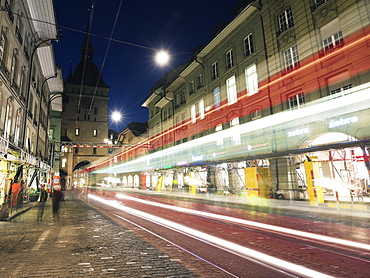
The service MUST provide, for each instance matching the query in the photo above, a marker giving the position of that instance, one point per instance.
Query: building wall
(24, 91)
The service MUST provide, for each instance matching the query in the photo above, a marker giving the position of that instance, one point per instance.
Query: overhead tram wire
(97, 36)
(105, 58)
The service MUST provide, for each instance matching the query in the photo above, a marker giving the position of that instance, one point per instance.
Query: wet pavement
(81, 242)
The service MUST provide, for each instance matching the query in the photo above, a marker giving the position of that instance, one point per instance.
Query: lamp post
(38, 126)
(28, 90)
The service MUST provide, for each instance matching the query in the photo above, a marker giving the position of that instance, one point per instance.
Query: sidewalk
(83, 242)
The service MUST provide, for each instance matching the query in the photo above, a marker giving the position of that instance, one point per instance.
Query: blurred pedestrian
(41, 205)
(57, 196)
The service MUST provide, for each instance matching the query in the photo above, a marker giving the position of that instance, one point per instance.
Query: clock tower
(85, 114)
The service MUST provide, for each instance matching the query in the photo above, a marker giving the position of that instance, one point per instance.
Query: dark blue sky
(130, 70)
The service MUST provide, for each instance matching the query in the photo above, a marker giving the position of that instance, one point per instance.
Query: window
(18, 29)
(231, 90)
(214, 70)
(177, 100)
(21, 80)
(95, 132)
(17, 126)
(192, 87)
(95, 110)
(169, 112)
(333, 41)
(94, 150)
(248, 45)
(256, 114)
(286, 20)
(236, 135)
(339, 84)
(2, 46)
(64, 162)
(183, 96)
(200, 81)
(164, 114)
(220, 140)
(340, 91)
(331, 35)
(291, 59)
(201, 109)
(319, 2)
(296, 101)
(8, 120)
(229, 59)
(217, 97)
(183, 117)
(251, 79)
(14, 70)
(193, 113)
(77, 131)
(76, 150)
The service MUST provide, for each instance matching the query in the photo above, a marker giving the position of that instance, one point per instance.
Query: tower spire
(87, 50)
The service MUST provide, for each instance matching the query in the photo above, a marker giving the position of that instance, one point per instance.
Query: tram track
(307, 247)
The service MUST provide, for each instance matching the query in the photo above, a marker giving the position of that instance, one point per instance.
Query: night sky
(141, 28)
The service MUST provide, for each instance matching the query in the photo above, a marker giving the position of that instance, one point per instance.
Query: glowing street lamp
(162, 58)
(116, 116)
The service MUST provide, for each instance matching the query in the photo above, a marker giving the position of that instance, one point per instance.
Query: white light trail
(254, 224)
(270, 260)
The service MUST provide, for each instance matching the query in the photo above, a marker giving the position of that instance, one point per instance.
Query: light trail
(254, 224)
(227, 245)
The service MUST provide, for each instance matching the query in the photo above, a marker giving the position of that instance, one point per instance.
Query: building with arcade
(276, 104)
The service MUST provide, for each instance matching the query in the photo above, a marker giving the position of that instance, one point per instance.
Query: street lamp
(38, 126)
(116, 116)
(28, 89)
(162, 58)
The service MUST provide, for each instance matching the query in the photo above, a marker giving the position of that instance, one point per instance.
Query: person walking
(41, 204)
(57, 196)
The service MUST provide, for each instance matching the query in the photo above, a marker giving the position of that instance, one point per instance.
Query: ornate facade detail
(325, 13)
(287, 38)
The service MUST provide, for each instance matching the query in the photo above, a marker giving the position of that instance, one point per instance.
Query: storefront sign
(297, 132)
(342, 122)
(182, 163)
(197, 157)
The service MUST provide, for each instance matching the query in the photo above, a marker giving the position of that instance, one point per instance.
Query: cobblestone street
(82, 243)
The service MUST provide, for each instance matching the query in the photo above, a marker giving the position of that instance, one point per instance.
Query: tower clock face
(86, 102)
